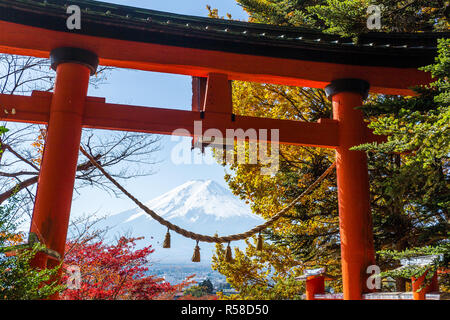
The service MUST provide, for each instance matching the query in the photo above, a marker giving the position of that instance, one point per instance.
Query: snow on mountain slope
(200, 206)
(195, 199)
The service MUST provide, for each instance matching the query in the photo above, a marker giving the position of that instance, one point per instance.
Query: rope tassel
(196, 255)
(166, 244)
(205, 238)
(228, 255)
(259, 243)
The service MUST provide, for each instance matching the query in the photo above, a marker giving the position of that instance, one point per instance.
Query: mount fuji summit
(201, 206)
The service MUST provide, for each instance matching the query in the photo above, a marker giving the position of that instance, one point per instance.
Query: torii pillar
(51, 212)
(355, 220)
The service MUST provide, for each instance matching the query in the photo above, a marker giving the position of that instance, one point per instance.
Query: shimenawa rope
(200, 237)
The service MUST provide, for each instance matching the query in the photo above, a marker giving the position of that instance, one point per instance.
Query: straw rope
(200, 237)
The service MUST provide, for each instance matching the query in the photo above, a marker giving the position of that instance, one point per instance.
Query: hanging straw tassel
(196, 255)
(166, 244)
(259, 243)
(228, 255)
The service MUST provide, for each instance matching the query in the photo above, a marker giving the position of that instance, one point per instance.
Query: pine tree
(18, 280)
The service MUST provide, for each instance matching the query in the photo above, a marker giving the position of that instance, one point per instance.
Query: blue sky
(154, 90)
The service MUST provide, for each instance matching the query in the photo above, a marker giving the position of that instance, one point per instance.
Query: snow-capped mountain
(201, 206)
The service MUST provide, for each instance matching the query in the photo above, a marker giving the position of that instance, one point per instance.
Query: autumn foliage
(115, 272)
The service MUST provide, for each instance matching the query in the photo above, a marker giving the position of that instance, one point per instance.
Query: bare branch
(126, 154)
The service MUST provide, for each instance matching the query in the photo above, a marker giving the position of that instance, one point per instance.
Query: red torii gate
(219, 51)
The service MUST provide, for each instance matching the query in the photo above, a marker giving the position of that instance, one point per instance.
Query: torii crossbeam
(214, 52)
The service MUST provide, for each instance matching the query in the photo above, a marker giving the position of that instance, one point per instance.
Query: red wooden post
(218, 95)
(357, 251)
(315, 282)
(417, 284)
(57, 175)
(315, 285)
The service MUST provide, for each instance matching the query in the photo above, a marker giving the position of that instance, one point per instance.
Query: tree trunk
(400, 283)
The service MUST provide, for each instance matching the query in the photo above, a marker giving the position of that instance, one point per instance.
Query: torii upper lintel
(156, 41)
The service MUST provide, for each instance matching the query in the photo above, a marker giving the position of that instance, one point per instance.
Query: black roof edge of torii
(400, 50)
